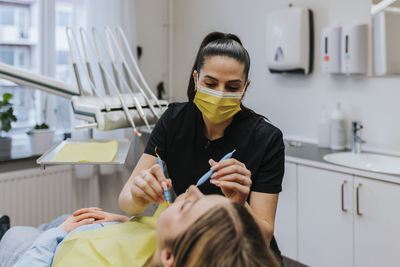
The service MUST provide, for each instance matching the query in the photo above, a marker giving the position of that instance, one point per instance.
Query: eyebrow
(211, 77)
(215, 79)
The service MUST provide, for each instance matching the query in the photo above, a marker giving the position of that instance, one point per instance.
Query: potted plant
(6, 117)
(41, 138)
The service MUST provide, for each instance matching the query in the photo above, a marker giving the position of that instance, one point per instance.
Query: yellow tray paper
(87, 152)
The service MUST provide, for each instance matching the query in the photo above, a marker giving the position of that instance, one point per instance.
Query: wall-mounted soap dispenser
(330, 49)
(355, 49)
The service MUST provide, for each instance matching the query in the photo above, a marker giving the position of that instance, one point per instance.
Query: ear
(167, 259)
(245, 89)
(195, 79)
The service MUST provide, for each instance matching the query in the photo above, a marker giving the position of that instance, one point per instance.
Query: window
(69, 13)
(15, 55)
(22, 45)
(15, 16)
(6, 16)
(18, 48)
(7, 55)
(63, 18)
(63, 58)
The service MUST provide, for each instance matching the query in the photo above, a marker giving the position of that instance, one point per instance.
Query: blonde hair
(225, 236)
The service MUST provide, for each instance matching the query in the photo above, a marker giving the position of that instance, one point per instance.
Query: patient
(196, 230)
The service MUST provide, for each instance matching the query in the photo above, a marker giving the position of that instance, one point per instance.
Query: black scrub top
(182, 145)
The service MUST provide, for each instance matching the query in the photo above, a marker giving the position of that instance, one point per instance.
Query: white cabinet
(286, 214)
(340, 219)
(377, 230)
(324, 218)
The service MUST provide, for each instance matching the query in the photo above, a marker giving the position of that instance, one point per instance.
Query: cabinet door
(377, 230)
(286, 214)
(325, 225)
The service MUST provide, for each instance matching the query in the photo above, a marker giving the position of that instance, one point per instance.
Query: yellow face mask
(217, 106)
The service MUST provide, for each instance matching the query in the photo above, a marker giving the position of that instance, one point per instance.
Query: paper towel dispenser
(290, 40)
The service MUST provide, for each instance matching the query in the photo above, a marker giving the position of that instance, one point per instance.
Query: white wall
(293, 103)
(151, 32)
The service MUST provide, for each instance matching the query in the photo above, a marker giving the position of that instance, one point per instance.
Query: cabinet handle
(358, 200)
(342, 191)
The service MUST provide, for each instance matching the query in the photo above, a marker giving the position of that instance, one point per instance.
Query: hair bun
(234, 37)
(213, 36)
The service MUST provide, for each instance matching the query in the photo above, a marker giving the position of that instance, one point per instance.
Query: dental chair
(4, 224)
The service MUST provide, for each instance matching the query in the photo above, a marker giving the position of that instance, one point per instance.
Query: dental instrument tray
(118, 152)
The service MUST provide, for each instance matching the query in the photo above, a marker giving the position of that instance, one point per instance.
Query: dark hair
(221, 44)
(225, 236)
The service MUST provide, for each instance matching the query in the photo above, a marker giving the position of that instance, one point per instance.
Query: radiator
(35, 196)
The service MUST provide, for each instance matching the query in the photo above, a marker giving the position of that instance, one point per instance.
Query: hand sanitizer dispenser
(290, 40)
(330, 49)
(355, 49)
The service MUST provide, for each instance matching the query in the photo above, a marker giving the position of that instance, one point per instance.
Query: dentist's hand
(146, 187)
(233, 178)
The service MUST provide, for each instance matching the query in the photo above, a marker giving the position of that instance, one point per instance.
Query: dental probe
(207, 175)
(166, 193)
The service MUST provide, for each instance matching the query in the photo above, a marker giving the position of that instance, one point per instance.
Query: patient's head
(185, 210)
(199, 230)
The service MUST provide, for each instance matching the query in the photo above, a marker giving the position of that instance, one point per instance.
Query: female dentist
(191, 137)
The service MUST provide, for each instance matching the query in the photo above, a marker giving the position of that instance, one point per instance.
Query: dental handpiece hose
(208, 174)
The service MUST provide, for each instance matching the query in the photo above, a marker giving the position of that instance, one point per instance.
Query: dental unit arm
(41, 82)
(107, 112)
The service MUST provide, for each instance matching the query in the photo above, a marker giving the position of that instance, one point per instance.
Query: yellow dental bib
(130, 243)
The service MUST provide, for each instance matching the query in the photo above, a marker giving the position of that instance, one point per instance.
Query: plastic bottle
(324, 130)
(337, 129)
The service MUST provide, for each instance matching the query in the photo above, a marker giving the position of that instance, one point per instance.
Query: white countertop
(311, 155)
